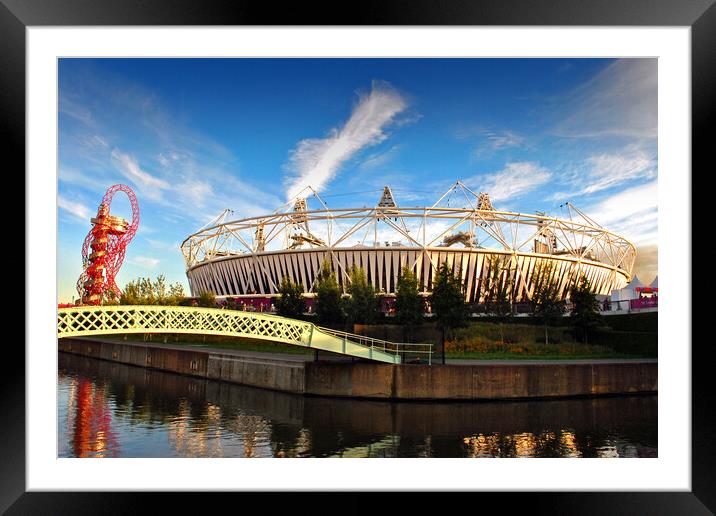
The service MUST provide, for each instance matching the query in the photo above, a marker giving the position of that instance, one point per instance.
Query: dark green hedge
(634, 322)
(632, 343)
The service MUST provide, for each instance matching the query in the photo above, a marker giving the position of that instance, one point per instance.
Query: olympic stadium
(247, 258)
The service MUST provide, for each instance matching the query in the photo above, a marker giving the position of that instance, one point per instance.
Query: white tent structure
(655, 283)
(636, 283)
(629, 292)
(620, 298)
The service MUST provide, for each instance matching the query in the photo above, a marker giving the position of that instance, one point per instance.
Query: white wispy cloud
(93, 141)
(491, 141)
(315, 161)
(196, 192)
(183, 171)
(202, 192)
(168, 158)
(607, 170)
(163, 244)
(513, 181)
(380, 159)
(129, 167)
(632, 213)
(626, 203)
(504, 139)
(74, 109)
(619, 101)
(72, 176)
(191, 188)
(499, 140)
(145, 261)
(76, 209)
(146, 229)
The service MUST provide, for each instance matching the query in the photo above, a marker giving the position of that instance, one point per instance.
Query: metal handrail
(627, 306)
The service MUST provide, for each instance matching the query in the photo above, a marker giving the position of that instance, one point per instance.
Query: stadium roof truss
(425, 235)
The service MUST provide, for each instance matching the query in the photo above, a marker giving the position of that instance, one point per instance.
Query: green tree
(448, 302)
(159, 289)
(144, 291)
(546, 302)
(207, 299)
(176, 293)
(328, 296)
(363, 306)
(111, 298)
(585, 316)
(497, 290)
(231, 304)
(130, 294)
(290, 303)
(408, 302)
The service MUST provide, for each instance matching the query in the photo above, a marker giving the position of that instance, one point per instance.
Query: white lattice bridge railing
(122, 319)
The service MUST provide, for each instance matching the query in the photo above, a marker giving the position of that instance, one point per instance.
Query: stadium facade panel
(261, 274)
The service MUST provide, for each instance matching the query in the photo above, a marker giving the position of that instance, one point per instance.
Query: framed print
(447, 227)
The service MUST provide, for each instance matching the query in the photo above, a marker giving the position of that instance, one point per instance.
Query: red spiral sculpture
(108, 240)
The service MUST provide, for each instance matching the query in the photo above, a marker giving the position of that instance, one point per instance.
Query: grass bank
(627, 337)
(543, 356)
(484, 351)
(510, 340)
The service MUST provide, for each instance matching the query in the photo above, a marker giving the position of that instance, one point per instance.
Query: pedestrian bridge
(128, 319)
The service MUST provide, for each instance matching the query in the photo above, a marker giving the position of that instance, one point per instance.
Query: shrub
(290, 303)
(327, 302)
(585, 316)
(363, 306)
(144, 291)
(408, 302)
(231, 304)
(448, 302)
(207, 299)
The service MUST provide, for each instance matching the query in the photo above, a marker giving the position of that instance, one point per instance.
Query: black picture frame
(700, 15)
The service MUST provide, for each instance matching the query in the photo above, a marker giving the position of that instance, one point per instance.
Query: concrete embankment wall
(270, 374)
(383, 381)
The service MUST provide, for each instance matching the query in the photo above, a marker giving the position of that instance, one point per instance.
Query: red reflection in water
(90, 421)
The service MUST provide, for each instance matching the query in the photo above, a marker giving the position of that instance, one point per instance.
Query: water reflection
(113, 410)
(89, 420)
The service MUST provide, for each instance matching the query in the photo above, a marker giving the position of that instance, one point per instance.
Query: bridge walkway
(133, 319)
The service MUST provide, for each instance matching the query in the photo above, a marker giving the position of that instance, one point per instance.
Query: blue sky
(195, 136)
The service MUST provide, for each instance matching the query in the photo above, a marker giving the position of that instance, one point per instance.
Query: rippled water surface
(114, 410)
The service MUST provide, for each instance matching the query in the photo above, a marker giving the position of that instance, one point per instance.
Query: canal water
(114, 410)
